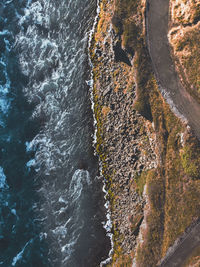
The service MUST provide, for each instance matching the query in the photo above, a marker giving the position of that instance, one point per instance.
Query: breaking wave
(52, 204)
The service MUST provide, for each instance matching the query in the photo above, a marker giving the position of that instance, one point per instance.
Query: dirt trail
(182, 251)
(157, 30)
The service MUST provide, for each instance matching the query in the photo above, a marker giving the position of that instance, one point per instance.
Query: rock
(106, 91)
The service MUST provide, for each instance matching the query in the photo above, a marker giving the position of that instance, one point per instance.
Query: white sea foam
(4, 89)
(43, 236)
(29, 146)
(19, 256)
(2, 124)
(5, 101)
(78, 180)
(108, 224)
(4, 105)
(8, 2)
(4, 32)
(8, 45)
(52, 55)
(68, 249)
(13, 211)
(62, 200)
(30, 163)
(60, 230)
(3, 183)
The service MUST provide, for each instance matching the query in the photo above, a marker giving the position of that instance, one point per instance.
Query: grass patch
(140, 181)
(187, 51)
(151, 248)
(124, 25)
(130, 36)
(135, 223)
(191, 161)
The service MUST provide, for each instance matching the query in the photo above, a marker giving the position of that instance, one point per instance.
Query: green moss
(140, 182)
(151, 250)
(191, 162)
(125, 8)
(100, 148)
(135, 223)
(123, 25)
(130, 36)
(144, 85)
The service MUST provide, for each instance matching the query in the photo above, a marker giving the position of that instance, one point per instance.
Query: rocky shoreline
(125, 140)
(141, 155)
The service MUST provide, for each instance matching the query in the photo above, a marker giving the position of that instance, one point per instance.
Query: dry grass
(105, 110)
(185, 44)
(185, 11)
(185, 38)
(176, 180)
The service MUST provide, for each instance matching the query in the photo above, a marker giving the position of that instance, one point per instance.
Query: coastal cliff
(150, 158)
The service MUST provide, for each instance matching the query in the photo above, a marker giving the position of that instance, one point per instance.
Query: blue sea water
(51, 202)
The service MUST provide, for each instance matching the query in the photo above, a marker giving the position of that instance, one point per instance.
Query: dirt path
(157, 29)
(183, 250)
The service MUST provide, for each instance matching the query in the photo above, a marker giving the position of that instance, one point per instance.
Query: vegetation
(176, 180)
(190, 160)
(187, 51)
(123, 25)
(185, 12)
(140, 181)
(150, 251)
(185, 43)
(101, 113)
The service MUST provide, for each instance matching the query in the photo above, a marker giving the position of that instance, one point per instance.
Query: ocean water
(51, 200)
